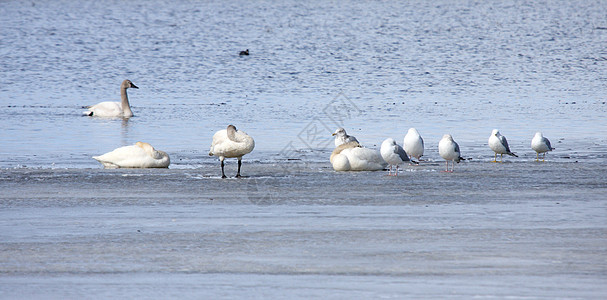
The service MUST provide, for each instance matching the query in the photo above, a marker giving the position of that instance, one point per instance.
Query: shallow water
(293, 227)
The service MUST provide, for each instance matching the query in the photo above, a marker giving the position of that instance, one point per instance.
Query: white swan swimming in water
(413, 144)
(111, 109)
(393, 154)
(140, 155)
(352, 157)
(231, 142)
(499, 145)
(540, 144)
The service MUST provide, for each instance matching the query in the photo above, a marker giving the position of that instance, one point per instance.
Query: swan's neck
(232, 134)
(126, 107)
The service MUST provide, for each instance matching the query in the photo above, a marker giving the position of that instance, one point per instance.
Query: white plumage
(449, 150)
(111, 109)
(499, 145)
(393, 154)
(231, 142)
(540, 144)
(413, 143)
(352, 157)
(140, 155)
(341, 137)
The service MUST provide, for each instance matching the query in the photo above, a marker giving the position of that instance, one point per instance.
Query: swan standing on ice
(413, 144)
(541, 145)
(393, 154)
(114, 109)
(341, 137)
(140, 155)
(499, 145)
(352, 157)
(449, 150)
(231, 142)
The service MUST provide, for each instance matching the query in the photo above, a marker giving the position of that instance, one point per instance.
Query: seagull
(413, 144)
(231, 142)
(449, 150)
(541, 145)
(499, 145)
(341, 137)
(393, 154)
(246, 52)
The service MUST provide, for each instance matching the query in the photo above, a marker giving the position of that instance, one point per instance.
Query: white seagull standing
(393, 154)
(140, 155)
(111, 109)
(413, 144)
(499, 145)
(231, 142)
(541, 145)
(341, 137)
(449, 150)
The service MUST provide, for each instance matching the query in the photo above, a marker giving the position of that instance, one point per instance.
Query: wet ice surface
(294, 228)
(522, 230)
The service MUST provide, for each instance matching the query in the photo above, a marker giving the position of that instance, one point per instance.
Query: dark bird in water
(246, 52)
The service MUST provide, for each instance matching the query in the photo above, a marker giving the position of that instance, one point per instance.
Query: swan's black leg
(223, 174)
(239, 164)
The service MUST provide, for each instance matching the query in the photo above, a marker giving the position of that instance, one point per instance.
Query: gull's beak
(334, 134)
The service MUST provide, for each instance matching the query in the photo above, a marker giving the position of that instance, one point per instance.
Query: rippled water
(375, 68)
(441, 67)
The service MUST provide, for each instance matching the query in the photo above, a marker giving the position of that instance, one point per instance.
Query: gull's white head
(539, 134)
(340, 132)
(495, 132)
(448, 137)
(413, 131)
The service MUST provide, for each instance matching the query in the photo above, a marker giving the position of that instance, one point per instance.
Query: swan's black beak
(134, 86)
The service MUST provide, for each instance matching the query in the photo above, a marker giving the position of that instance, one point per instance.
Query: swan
(393, 154)
(499, 145)
(139, 155)
(231, 142)
(114, 109)
(341, 137)
(413, 144)
(449, 150)
(352, 157)
(540, 144)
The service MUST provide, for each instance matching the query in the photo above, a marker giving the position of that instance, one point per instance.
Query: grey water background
(293, 227)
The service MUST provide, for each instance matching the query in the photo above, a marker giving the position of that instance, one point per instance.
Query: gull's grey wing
(548, 143)
(504, 143)
(401, 153)
(456, 148)
(350, 138)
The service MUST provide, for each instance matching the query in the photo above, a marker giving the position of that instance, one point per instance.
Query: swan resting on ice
(109, 109)
(352, 157)
(231, 142)
(140, 155)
